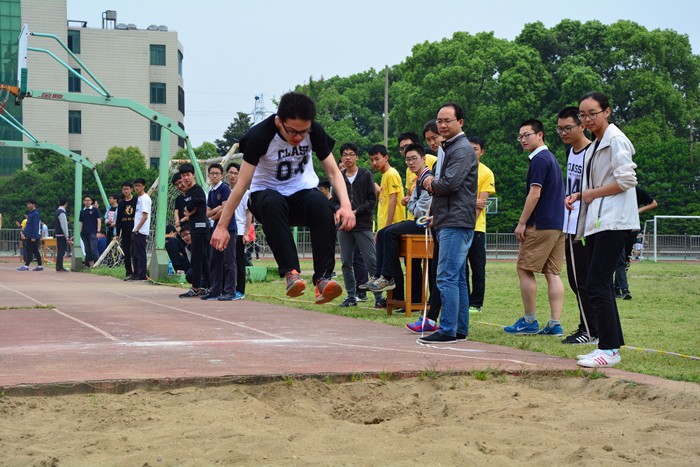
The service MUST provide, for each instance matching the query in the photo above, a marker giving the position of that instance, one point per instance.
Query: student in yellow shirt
(391, 191)
(477, 251)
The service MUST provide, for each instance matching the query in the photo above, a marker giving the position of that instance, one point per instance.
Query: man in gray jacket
(454, 190)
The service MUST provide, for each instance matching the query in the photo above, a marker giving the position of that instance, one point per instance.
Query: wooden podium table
(411, 247)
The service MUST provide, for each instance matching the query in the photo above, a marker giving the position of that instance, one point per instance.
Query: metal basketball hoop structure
(159, 260)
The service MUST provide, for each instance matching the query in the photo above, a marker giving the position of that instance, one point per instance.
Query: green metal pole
(77, 258)
(101, 188)
(159, 259)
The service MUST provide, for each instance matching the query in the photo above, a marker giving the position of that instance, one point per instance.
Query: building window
(181, 140)
(74, 41)
(75, 122)
(181, 100)
(155, 162)
(157, 54)
(74, 81)
(155, 131)
(179, 62)
(157, 93)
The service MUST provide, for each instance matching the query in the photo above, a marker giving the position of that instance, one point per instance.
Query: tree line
(652, 79)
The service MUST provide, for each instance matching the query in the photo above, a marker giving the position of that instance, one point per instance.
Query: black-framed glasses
(590, 116)
(219, 174)
(524, 136)
(565, 130)
(293, 133)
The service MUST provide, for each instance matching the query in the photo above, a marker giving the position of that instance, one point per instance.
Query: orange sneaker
(327, 290)
(295, 284)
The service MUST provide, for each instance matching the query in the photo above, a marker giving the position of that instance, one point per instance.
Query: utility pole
(386, 106)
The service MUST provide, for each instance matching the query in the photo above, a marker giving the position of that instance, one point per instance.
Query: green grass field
(664, 314)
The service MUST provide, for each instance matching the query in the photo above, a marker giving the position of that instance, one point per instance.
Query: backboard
(23, 43)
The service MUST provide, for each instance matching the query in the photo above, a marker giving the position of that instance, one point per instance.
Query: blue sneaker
(555, 330)
(23, 268)
(239, 296)
(522, 328)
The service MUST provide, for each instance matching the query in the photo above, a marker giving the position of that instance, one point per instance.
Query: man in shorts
(539, 233)
(277, 166)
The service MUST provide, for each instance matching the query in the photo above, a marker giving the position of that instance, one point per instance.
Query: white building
(144, 65)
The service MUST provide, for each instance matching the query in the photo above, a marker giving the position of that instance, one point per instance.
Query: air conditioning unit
(163, 28)
(152, 27)
(120, 26)
(131, 26)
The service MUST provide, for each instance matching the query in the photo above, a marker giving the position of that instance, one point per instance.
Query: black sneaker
(192, 293)
(362, 296)
(380, 303)
(626, 295)
(577, 337)
(461, 337)
(437, 338)
(127, 278)
(348, 302)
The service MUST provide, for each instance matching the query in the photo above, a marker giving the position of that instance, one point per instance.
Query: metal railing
(498, 245)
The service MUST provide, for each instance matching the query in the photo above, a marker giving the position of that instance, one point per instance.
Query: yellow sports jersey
(487, 183)
(430, 161)
(391, 183)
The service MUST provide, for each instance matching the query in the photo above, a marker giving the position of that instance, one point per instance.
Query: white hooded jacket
(604, 163)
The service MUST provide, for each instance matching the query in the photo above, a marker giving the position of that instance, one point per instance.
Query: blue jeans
(452, 279)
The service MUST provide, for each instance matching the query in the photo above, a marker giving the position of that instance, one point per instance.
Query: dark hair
(233, 164)
(479, 141)
(62, 201)
(87, 196)
(324, 184)
(186, 168)
(184, 226)
(352, 146)
(536, 125)
(378, 149)
(459, 113)
(114, 195)
(415, 139)
(127, 183)
(297, 106)
(569, 112)
(176, 178)
(597, 96)
(140, 181)
(216, 165)
(31, 201)
(431, 126)
(170, 228)
(429, 150)
(416, 147)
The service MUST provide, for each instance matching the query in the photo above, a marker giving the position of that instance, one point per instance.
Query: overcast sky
(235, 50)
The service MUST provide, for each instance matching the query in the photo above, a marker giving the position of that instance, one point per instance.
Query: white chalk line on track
(232, 323)
(66, 315)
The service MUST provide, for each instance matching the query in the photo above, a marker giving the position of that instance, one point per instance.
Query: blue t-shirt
(545, 171)
(89, 217)
(216, 198)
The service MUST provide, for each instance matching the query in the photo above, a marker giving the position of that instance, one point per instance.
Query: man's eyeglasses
(565, 130)
(218, 174)
(348, 154)
(294, 133)
(446, 121)
(525, 136)
(411, 160)
(590, 116)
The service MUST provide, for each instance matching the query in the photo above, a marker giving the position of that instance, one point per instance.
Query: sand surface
(448, 420)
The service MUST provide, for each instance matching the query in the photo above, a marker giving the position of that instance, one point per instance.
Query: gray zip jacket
(454, 192)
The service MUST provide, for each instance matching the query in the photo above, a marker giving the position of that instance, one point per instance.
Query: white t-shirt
(281, 166)
(240, 214)
(574, 172)
(143, 205)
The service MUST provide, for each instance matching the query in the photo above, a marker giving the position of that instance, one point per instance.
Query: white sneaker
(588, 355)
(601, 360)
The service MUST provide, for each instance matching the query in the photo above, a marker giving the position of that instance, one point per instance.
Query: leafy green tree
(233, 133)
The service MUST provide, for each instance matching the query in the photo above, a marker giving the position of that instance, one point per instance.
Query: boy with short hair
(196, 213)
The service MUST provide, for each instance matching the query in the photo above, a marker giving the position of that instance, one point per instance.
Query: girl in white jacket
(607, 217)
